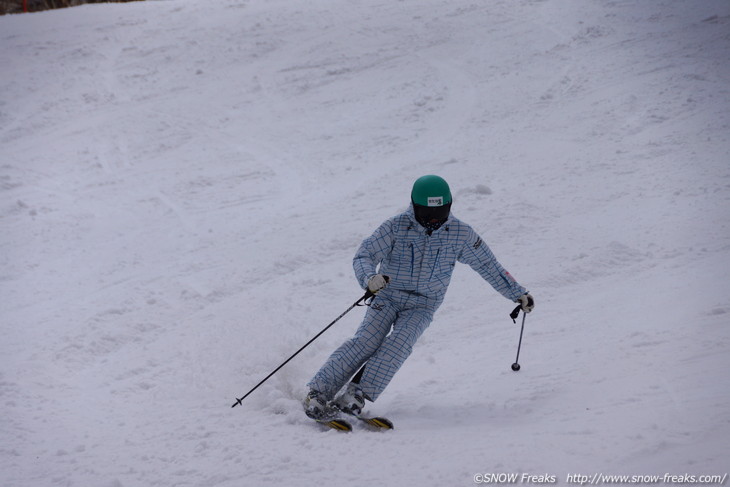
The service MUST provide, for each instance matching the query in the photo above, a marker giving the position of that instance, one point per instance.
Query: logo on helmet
(435, 201)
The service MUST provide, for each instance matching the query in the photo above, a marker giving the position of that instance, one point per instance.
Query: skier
(407, 263)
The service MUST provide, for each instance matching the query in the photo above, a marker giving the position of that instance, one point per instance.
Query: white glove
(376, 283)
(527, 303)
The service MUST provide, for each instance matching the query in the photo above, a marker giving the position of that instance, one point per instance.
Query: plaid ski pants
(374, 344)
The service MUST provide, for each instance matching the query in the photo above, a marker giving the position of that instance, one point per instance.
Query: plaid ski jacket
(422, 263)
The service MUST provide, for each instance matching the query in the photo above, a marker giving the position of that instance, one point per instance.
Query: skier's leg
(382, 366)
(349, 357)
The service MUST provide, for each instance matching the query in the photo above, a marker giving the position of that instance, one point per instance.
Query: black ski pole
(513, 315)
(366, 296)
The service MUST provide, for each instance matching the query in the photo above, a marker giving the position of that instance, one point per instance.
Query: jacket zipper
(435, 264)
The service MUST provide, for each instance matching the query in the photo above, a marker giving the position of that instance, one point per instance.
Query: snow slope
(183, 185)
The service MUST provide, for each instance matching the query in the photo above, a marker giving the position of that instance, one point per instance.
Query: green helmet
(431, 191)
(431, 198)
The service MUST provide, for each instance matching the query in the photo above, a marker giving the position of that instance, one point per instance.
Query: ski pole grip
(515, 313)
(369, 294)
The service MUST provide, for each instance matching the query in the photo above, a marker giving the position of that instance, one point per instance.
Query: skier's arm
(479, 256)
(371, 253)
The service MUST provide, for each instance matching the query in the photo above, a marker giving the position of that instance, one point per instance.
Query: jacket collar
(412, 217)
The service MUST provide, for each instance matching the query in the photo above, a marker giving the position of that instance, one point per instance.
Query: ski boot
(352, 400)
(317, 407)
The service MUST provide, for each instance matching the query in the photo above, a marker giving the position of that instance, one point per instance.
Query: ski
(377, 422)
(335, 424)
(331, 419)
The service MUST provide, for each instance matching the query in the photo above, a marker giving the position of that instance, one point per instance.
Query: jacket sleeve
(479, 256)
(372, 251)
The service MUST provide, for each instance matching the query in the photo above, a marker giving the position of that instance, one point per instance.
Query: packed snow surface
(183, 185)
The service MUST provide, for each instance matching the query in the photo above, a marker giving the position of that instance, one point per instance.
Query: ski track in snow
(183, 186)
